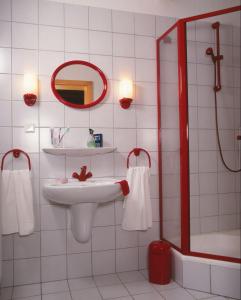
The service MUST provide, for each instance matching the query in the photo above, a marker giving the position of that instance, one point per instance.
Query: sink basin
(92, 191)
(83, 199)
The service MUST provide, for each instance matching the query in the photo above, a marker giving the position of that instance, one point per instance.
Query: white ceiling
(171, 8)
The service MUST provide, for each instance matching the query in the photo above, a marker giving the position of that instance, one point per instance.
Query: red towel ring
(136, 152)
(16, 154)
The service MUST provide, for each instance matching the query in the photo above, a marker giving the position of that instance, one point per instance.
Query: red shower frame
(180, 25)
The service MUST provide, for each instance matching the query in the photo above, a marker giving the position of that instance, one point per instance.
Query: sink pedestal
(82, 216)
(83, 198)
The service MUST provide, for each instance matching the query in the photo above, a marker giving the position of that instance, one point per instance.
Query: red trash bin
(159, 262)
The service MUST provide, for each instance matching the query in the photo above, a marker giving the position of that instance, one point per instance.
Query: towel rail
(136, 152)
(16, 154)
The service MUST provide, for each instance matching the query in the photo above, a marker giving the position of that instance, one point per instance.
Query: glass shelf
(79, 151)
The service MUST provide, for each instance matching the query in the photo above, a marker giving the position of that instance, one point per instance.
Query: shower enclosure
(198, 70)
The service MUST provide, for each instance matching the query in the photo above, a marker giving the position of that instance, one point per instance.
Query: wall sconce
(126, 93)
(30, 89)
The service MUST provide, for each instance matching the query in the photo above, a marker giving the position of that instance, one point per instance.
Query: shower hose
(217, 128)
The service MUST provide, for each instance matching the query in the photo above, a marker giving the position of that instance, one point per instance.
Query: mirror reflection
(79, 84)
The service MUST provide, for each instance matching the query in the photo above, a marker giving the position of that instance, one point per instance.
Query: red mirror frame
(85, 63)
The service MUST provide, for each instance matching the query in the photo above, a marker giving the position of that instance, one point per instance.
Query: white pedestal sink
(83, 199)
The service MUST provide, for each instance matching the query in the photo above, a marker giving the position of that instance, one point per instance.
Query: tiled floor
(121, 286)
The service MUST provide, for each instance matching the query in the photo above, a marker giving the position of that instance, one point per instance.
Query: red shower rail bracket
(136, 152)
(16, 154)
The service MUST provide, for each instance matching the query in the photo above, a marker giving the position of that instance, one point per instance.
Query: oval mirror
(79, 84)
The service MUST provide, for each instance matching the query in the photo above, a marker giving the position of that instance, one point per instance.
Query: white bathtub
(226, 243)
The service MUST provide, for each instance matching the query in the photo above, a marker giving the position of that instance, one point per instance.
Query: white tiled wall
(36, 36)
(215, 192)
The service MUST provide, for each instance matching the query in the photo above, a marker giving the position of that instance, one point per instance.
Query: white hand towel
(17, 202)
(137, 205)
(9, 220)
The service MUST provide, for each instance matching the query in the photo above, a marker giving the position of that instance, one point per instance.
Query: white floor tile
(81, 283)
(55, 287)
(111, 286)
(176, 294)
(59, 296)
(149, 296)
(86, 294)
(113, 291)
(105, 280)
(26, 291)
(132, 276)
(139, 287)
(125, 298)
(32, 298)
(220, 298)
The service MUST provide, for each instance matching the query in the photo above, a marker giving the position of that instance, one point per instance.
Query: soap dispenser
(91, 139)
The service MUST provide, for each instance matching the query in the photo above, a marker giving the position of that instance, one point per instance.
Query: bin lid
(159, 247)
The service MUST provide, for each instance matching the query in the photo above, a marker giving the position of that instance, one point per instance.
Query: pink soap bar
(62, 180)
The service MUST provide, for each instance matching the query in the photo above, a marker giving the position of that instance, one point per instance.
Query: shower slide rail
(216, 59)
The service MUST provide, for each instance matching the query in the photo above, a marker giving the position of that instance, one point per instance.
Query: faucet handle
(75, 175)
(83, 175)
(83, 169)
(88, 175)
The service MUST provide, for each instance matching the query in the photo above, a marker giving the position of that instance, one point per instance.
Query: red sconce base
(30, 99)
(125, 102)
